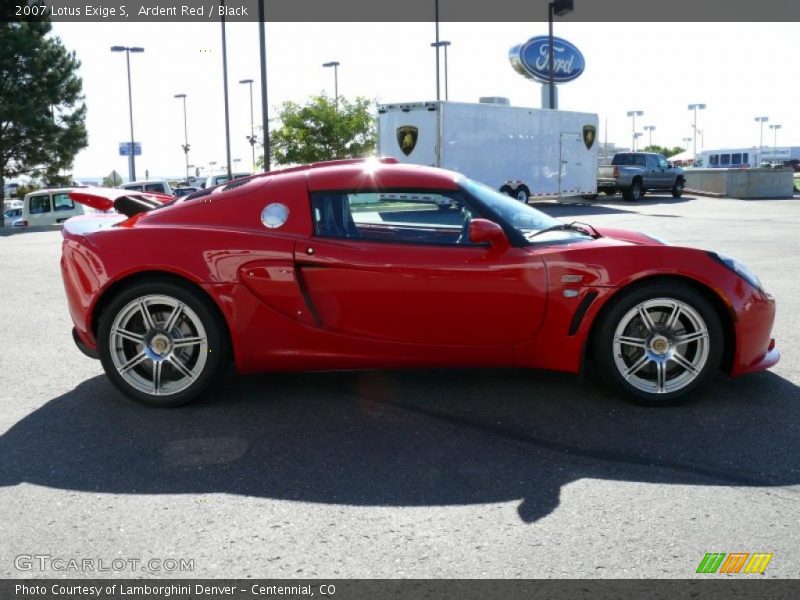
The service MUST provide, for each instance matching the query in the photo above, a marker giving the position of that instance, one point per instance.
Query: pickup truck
(634, 173)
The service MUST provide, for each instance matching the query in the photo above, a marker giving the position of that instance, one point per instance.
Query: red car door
(428, 289)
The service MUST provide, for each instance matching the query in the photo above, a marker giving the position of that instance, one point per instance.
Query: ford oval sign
(531, 59)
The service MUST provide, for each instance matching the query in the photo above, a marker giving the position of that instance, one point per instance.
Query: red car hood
(626, 235)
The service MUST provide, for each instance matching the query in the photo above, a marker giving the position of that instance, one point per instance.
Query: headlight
(740, 269)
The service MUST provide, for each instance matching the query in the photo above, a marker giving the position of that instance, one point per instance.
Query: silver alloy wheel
(158, 345)
(661, 345)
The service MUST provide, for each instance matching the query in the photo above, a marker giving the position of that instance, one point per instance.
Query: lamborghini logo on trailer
(588, 136)
(407, 138)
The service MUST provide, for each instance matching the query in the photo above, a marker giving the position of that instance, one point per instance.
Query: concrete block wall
(742, 183)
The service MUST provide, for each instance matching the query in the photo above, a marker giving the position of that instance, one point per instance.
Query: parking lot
(472, 474)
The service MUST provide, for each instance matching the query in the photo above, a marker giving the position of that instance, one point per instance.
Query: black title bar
(151, 11)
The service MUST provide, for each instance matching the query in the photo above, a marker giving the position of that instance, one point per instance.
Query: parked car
(634, 173)
(12, 218)
(184, 191)
(318, 267)
(793, 163)
(50, 207)
(153, 186)
(214, 180)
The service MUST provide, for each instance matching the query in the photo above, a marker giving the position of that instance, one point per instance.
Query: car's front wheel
(677, 189)
(658, 343)
(160, 343)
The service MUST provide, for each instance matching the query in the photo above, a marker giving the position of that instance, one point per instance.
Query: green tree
(318, 131)
(667, 152)
(42, 112)
(113, 179)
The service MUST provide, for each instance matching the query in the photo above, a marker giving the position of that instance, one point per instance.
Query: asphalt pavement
(464, 473)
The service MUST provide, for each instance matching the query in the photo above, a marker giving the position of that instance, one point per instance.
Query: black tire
(206, 357)
(634, 192)
(677, 189)
(522, 193)
(506, 190)
(611, 357)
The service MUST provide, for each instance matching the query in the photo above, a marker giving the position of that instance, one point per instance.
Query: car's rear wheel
(160, 343)
(634, 192)
(677, 189)
(658, 343)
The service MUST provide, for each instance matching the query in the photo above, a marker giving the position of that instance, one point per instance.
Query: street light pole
(185, 135)
(225, 85)
(436, 18)
(775, 128)
(761, 121)
(649, 129)
(558, 8)
(633, 114)
(252, 137)
(335, 65)
(443, 44)
(262, 41)
(695, 107)
(131, 156)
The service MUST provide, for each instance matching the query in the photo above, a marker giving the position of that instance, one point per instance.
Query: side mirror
(482, 231)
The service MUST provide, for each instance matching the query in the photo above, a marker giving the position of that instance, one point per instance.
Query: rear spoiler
(124, 202)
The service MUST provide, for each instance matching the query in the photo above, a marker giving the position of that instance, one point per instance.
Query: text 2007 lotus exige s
(372, 264)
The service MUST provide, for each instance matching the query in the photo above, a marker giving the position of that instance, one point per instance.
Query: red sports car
(363, 264)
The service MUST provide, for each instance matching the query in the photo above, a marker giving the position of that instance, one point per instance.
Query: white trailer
(523, 152)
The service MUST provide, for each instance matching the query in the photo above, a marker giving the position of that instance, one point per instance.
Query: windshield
(520, 216)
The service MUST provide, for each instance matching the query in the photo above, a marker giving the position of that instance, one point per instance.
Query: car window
(62, 202)
(662, 162)
(154, 187)
(724, 159)
(418, 217)
(134, 188)
(638, 160)
(652, 162)
(622, 159)
(39, 205)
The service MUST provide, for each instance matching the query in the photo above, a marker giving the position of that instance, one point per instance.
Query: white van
(152, 186)
(214, 180)
(51, 207)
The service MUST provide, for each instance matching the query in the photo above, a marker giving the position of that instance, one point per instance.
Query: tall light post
(225, 88)
(558, 8)
(131, 157)
(686, 141)
(633, 114)
(436, 19)
(211, 165)
(636, 136)
(695, 108)
(761, 121)
(335, 65)
(185, 134)
(252, 137)
(236, 162)
(775, 128)
(649, 129)
(443, 44)
(262, 44)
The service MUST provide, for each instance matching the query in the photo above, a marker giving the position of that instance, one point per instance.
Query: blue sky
(740, 70)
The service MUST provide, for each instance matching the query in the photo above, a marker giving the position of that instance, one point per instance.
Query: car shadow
(406, 438)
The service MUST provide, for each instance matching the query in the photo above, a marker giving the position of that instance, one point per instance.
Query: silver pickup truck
(634, 173)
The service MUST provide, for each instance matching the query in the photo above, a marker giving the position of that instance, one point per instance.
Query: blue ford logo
(531, 60)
